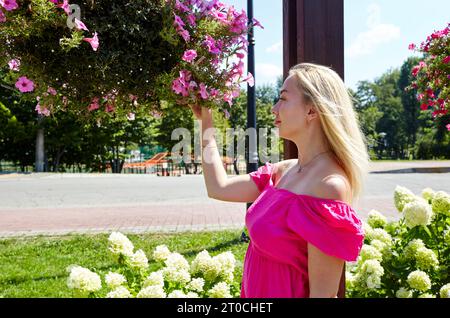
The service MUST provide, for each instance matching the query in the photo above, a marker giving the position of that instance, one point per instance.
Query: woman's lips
(277, 122)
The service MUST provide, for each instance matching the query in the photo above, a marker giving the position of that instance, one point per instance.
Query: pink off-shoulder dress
(280, 225)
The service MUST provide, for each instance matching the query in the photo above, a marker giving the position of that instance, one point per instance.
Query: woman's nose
(275, 109)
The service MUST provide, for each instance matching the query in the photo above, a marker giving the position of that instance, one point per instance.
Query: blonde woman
(301, 223)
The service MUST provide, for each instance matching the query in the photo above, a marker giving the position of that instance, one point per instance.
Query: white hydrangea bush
(205, 277)
(409, 258)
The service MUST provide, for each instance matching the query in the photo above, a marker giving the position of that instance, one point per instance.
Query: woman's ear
(311, 114)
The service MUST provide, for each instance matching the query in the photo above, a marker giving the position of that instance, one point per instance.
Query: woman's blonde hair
(324, 88)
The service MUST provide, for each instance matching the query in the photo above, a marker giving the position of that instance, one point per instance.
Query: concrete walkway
(58, 204)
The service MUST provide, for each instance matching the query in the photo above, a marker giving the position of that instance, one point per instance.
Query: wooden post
(313, 31)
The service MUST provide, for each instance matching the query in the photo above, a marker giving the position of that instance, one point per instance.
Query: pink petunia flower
(185, 75)
(256, 23)
(80, 25)
(94, 104)
(448, 127)
(9, 5)
(65, 6)
(412, 46)
(51, 91)
(446, 60)
(93, 41)
(54, 1)
(185, 35)
(178, 22)
(191, 19)
(203, 92)
(179, 87)
(42, 110)
(210, 43)
(2, 17)
(250, 80)
(213, 92)
(109, 108)
(24, 85)
(181, 7)
(189, 55)
(14, 64)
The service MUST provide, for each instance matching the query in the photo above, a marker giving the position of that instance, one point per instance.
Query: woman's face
(291, 111)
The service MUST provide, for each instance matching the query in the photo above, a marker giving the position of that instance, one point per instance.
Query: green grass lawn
(36, 266)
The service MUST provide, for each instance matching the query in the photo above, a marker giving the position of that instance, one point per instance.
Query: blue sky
(377, 34)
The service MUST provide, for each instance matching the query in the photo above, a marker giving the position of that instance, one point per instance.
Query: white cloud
(377, 34)
(267, 73)
(276, 48)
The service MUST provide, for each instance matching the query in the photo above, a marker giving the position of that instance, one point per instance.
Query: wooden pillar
(313, 32)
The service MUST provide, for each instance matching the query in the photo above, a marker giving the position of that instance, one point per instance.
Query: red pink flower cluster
(432, 74)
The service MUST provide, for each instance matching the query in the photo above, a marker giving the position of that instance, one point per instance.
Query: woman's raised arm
(219, 186)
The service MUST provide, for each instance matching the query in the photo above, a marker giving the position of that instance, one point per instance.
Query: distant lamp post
(383, 141)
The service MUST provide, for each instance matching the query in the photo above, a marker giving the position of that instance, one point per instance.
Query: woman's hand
(201, 113)
(197, 110)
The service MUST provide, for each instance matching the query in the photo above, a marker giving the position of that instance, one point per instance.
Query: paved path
(54, 204)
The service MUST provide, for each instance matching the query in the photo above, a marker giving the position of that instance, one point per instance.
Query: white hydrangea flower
(403, 293)
(177, 294)
(119, 292)
(114, 280)
(209, 267)
(412, 247)
(196, 284)
(426, 258)
(83, 280)
(426, 295)
(428, 194)
(192, 295)
(381, 235)
(369, 252)
(220, 290)
(368, 230)
(154, 279)
(369, 275)
(380, 246)
(441, 203)
(402, 196)
(201, 262)
(175, 275)
(445, 291)
(152, 292)
(376, 219)
(417, 213)
(120, 244)
(161, 253)
(227, 263)
(138, 260)
(419, 280)
(176, 260)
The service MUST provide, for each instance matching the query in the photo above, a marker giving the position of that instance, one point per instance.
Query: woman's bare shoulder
(334, 184)
(281, 166)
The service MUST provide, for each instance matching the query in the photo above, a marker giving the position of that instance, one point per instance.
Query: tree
(409, 101)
